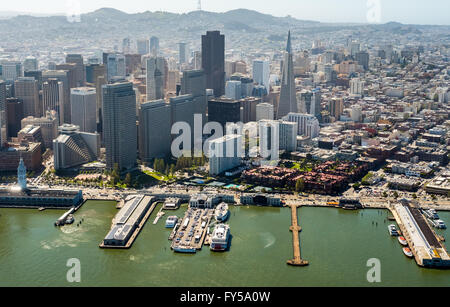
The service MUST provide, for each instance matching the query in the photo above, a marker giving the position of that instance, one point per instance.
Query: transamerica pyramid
(288, 99)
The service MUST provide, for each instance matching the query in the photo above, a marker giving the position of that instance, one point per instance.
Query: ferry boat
(393, 230)
(439, 224)
(171, 221)
(220, 237)
(402, 241)
(222, 213)
(408, 253)
(431, 214)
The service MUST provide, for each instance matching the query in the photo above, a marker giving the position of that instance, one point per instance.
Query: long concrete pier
(295, 229)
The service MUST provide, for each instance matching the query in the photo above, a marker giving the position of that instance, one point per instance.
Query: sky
(405, 11)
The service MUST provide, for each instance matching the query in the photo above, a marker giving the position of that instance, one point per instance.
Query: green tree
(300, 185)
(128, 179)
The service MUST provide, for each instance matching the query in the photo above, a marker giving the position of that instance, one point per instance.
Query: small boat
(41, 209)
(439, 224)
(402, 241)
(171, 221)
(431, 214)
(408, 253)
(393, 230)
(70, 219)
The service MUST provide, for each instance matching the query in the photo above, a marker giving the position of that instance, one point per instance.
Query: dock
(295, 229)
(424, 243)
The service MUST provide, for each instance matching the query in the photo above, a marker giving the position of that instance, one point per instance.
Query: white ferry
(220, 237)
(171, 221)
(222, 213)
(181, 249)
(393, 230)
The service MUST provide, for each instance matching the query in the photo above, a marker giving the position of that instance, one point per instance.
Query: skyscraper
(26, 89)
(115, 66)
(3, 119)
(11, 70)
(261, 73)
(143, 46)
(183, 53)
(119, 125)
(30, 64)
(84, 108)
(53, 98)
(288, 99)
(80, 74)
(233, 89)
(213, 61)
(193, 82)
(155, 78)
(14, 114)
(154, 130)
(154, 46)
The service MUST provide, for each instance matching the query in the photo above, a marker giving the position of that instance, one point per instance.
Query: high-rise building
(143, 46)
(310, 102)
(26, 89)
(356, 87)
(287, 134)
(224, 110)
(67, 77)
(30, 64)
(248, 109)
(80, 74)
(225, 153)
(3, 114)
(83, 101)
(156, 68)
(183, 53)
(53, 98)
(115, 66)
(264, 111)
(193, 82)
(362, 57)
(288, 99)
(233, 89)
(154, 46)
(14, 114)
(197, 60)
(11, 71)
(356, 113)
(261, 73)
(336, 107)
(154, 130)
(119, 125)
(213, 61)
(36, 74)
(307, 124)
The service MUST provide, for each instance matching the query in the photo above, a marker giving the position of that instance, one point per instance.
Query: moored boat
(220, 237)
(393, 230)
(408, 253)
(171, 221)
(402, 241)
(221, 213)
(439, 224)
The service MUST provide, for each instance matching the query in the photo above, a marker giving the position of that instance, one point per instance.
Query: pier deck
(295, 229)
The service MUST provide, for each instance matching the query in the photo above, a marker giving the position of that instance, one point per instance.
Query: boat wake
(268, 239)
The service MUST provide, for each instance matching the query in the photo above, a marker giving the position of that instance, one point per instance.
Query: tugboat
(408, 253)
(70, 219)
(402, 241)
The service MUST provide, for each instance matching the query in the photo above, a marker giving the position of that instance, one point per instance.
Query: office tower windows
(119, 125)
(83, 101)
(213, 61)
(26, 89)
(80, 74)
(143, 46)
(53, 98)
(156, 68)
(154, 46)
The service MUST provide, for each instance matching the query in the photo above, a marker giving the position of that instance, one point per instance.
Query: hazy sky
(405, 11)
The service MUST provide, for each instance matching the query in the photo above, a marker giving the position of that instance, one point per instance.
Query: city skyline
(347, 11)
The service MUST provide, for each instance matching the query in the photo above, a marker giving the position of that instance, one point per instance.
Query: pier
(424, 243)
(295, 228)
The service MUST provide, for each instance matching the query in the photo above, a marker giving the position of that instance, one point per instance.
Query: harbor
(259, 240)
